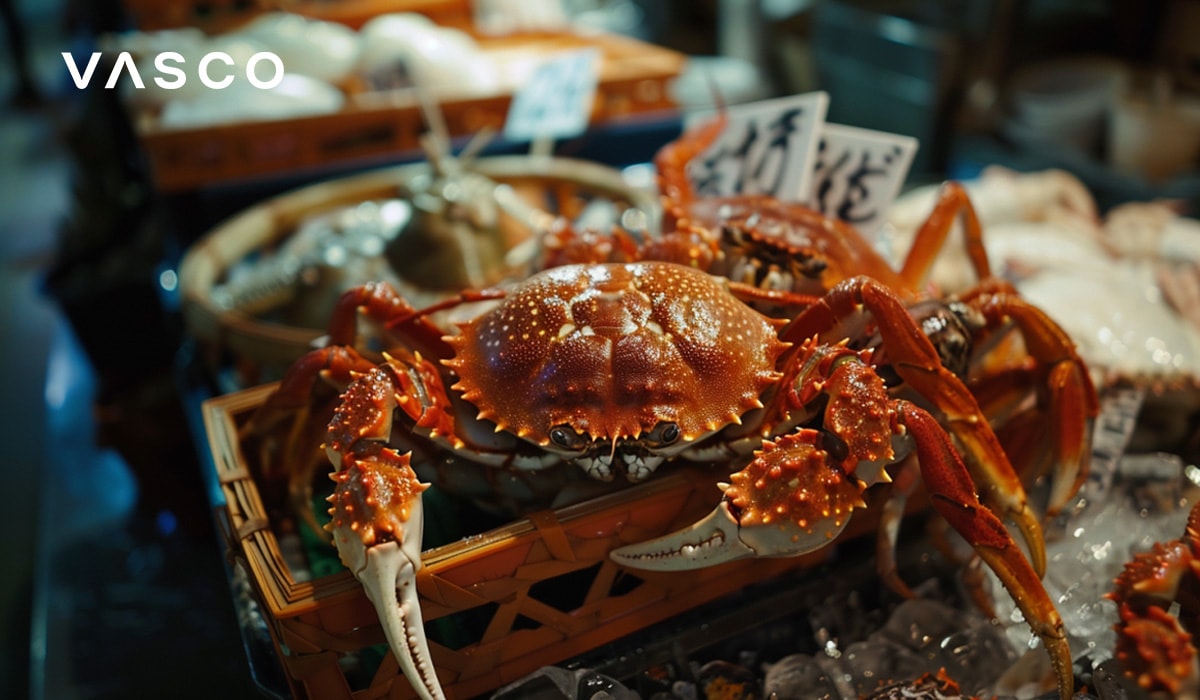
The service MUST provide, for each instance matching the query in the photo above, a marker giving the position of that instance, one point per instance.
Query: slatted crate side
(493, 575)
(182, 159)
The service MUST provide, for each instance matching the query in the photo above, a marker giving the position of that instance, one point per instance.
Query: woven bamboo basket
(509, 579)
(562, 186)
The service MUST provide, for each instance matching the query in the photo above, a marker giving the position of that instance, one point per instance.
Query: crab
(611, 370)
(787, 248)
(752, 335)
(766, 242)
(1158, 601)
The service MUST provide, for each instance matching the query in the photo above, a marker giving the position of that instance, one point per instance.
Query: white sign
(767, 148)
(557, 100)
(858, 173)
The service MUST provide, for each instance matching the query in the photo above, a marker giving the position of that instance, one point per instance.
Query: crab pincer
(799, 491)
(376, 525)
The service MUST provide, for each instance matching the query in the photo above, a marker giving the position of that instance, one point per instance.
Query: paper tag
(556, 101)
(858, 174)
(1111, 433)
(767, 148)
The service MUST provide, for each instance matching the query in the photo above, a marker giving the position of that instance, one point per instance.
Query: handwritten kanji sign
(858, 173)
(556, 101)
(767, 148)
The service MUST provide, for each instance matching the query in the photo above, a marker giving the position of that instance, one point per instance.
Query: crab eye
(565, 437)
(664, 434)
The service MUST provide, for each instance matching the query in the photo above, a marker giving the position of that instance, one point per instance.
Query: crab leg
(293, 417)
(1070, 402)
(915, 360)
(377, 529)
(377, 517)
(795, 498)
(382, 303)
(787, 501)
(906, 479)
(671, 164)
(931, 237)
(952, 492)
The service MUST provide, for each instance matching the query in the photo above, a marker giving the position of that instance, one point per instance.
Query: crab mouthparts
(637, 466)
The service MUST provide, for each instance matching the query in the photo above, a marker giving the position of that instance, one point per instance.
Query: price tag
(1111, 433)
(556, 101)
(767, 148)
(858, 173)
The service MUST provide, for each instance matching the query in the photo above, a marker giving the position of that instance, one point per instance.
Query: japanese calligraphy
(858, 174)
(767, 148)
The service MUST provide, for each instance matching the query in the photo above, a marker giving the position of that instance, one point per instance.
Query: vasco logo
(170, 64)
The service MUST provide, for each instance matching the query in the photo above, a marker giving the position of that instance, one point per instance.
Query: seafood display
(326, 63)
(751, 335)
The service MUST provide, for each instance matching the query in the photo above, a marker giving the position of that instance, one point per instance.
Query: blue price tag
(557, 100)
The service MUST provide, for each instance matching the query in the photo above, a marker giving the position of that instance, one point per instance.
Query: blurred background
(114, 581)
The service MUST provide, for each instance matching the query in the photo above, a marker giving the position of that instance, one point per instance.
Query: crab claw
(377, 523)
(788, 501)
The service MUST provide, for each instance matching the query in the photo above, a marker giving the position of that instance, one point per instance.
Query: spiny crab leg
(377, 519)
(374, 503)
(1071, 403)
(800, 490)
(917, 362)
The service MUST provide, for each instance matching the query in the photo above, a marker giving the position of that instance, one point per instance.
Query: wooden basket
(506, 571)
(633, 80)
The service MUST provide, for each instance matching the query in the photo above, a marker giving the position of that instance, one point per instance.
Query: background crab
(1158, 600)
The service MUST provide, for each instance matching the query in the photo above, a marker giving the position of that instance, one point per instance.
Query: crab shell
(612, 350)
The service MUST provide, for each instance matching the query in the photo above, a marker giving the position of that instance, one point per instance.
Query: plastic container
(1066, 101)
(1155, 138)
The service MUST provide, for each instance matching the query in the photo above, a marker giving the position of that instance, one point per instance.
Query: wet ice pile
(1147, 503)
(919, 637)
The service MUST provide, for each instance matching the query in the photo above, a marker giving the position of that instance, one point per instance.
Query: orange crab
(623, 356)
(613, 369)
(785, 248)
(1154, 643)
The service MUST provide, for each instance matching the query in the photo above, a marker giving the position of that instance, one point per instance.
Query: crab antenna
(478, 142)
(438, 143)
(466, 297)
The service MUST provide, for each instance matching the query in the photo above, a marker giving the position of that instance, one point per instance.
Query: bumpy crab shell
(613, 350)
